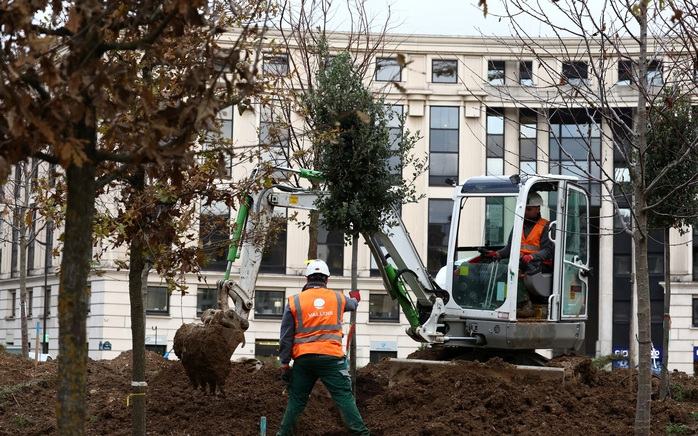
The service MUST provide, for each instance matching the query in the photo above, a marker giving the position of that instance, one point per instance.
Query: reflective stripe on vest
(317, 314)
(530, 244)
(316, 338)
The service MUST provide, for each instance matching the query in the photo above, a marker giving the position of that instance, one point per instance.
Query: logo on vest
(319, 303)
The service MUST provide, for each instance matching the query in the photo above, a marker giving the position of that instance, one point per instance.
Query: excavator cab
(487, 291)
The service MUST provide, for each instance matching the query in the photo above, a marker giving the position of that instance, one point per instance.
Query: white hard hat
(534, 199)
(317, 266)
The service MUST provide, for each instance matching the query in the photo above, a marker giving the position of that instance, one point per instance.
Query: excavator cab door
(572, 256)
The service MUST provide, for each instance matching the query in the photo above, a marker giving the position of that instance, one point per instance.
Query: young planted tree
(305, 29)
(362, 166)
(672, 139)
(70, 68)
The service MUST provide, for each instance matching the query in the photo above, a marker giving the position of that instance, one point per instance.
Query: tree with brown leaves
(89, 85)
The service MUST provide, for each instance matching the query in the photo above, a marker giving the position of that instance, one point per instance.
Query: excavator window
(480, 284)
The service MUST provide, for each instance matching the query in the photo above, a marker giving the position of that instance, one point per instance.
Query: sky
(437, 17)
(459, 17)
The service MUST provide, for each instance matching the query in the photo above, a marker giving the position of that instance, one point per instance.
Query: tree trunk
(72, 297)
(22, 209)
(666, 320)
(312, 234)
(354, 286)
(137, 269)
(644, 383)
(640, 235)
(23, 281)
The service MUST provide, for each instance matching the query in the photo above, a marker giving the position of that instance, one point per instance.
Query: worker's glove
(493, 254)
(355, 295)
(526, 258)
(285, 373)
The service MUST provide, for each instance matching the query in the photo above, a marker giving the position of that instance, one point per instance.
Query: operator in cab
(537, 250)
(311, 336)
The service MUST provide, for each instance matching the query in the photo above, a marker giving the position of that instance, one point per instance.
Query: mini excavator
(472, 302)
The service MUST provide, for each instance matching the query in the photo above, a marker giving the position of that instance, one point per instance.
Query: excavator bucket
(205, 349)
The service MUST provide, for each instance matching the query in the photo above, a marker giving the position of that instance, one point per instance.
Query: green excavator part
(240, 223)
(398, 292)
(311, 174)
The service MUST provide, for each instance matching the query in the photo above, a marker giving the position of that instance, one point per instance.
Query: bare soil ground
(452, 400)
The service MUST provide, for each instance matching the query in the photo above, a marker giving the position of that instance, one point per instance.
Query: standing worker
(311, 335)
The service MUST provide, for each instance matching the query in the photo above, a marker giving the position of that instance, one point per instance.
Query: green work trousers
(334, 373)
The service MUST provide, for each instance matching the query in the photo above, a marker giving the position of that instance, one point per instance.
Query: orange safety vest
(317, 313)
(530, 244)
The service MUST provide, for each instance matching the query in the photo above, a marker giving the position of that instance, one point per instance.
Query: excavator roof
(491, 185)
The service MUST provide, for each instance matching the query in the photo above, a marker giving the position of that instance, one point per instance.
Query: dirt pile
(458, 399)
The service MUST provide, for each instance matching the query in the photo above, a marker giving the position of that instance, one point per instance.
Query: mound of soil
(433, 400)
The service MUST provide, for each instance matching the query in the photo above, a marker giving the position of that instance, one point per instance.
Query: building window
(382, 308)
(494, 218)
(30, 303)
(695, 254)
(437, 233)
(528, 142)
(157, 301)
(443, 145)
(274, 133)
(575, 149)
(330, 247)
(275, 65)
(377, 356)
(206, 298)
(575, 73)
(526, 73)
(625, 72)
(274, 255)
(47, 300)
(214, 232)
(654, 73)
(394, 114)
(622, 265)
(388, 70)
(495, 142)
(266, 348)
(495, 73)
(269, 304)
(218, 143)
(13, 304)
(444, 71)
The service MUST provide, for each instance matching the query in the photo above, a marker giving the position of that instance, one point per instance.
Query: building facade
(481, 106)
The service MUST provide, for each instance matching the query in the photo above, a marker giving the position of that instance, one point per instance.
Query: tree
(355, 152)
(673, 130)
(590, 41)
(304, 28)
(21, 217)
(69, 69)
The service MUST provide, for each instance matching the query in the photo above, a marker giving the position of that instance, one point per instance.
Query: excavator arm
(395, 254)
